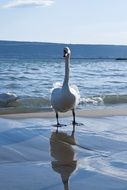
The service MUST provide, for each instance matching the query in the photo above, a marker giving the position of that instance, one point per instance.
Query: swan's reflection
(62, 151)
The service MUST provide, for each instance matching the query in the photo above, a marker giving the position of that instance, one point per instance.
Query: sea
(26, 81)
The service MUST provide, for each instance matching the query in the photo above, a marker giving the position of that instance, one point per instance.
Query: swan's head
(67, 51)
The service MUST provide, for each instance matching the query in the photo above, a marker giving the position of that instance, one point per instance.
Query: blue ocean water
(101, 82)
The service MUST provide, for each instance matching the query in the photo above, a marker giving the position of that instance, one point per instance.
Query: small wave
(115, 99)
(33, 102)
(6, 98)
(12, 100)
(12, 103)
(23, 104)
(104, 100)
(91, 100)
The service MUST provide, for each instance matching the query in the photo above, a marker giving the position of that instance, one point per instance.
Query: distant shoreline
(58, 43)
(43, 50)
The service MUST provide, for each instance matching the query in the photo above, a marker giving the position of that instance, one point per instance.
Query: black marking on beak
(65, 53)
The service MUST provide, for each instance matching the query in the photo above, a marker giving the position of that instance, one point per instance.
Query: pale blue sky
(64, 21)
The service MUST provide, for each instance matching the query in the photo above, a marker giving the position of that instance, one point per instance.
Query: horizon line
(48, 42)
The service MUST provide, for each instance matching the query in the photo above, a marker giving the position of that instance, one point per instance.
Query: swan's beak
(65, 54)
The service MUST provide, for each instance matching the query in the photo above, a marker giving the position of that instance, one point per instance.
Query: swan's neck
(67, 67)
(66, 187)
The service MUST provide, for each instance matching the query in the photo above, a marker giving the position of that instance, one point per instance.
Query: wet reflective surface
(36, 156)
(63, 154)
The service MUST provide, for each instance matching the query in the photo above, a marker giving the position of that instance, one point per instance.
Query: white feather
(56, 85)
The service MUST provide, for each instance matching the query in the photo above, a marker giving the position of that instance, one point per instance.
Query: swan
(65, 97)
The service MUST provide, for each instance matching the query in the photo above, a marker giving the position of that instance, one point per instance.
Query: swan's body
(65, 97)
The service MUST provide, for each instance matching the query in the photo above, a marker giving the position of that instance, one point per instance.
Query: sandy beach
(35, 156)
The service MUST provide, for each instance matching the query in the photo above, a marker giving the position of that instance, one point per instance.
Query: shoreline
(105, 112)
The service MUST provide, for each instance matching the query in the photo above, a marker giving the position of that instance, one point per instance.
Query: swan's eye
(65, 51)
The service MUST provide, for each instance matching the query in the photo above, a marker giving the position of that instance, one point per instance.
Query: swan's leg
(73, 113)
(73, 130)
(58, 124)
(73, 122)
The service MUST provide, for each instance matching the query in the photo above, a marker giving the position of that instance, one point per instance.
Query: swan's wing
(76, 89)
(55, 98)
(76, 92)
(56, 85)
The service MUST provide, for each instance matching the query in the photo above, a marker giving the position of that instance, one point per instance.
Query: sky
(64, 21)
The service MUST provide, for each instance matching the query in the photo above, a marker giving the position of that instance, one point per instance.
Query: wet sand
(80, 113)
(35, 156)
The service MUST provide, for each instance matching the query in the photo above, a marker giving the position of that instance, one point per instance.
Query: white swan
(66, 97)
